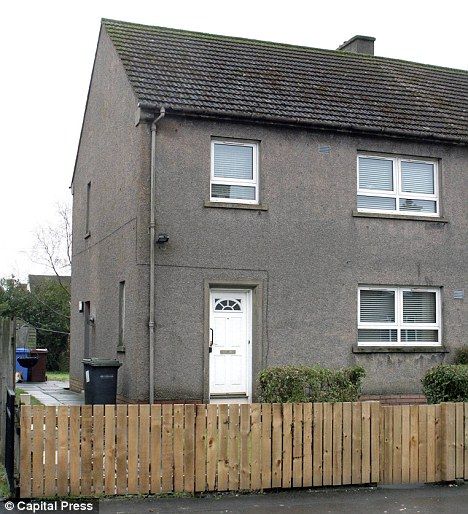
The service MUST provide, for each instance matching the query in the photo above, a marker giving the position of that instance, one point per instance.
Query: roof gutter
(152, 230)
(289, 120)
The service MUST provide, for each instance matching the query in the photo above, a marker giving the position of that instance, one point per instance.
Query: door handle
(210, 347)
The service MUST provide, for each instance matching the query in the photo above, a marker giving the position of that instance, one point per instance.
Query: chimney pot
(359, 45)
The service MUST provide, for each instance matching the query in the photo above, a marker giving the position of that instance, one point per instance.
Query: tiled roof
(37, 280)
(219, 75)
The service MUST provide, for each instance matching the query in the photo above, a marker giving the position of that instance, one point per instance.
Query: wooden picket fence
(141, 449)
(424, 443)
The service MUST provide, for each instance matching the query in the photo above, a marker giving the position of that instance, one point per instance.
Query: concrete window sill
(400, 349)
(358, 214)
(245, 206)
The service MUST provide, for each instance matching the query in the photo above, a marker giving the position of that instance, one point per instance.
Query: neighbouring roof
(37, 280)
(225, 76)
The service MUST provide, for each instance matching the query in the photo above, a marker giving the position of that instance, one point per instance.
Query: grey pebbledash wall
(307, 252)
(307, 249)
(114, 156)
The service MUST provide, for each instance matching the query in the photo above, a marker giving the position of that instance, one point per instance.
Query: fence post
(448, 442)
(376, 442)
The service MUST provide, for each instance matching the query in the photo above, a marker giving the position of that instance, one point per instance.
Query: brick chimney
(359, 45)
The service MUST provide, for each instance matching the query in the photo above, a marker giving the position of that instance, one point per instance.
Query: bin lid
(22, 349)
(39, 350)
(102, 363)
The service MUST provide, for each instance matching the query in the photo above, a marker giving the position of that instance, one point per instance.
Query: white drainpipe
(152, 228)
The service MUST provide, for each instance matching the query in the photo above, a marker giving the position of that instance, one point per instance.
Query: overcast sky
(48, 50)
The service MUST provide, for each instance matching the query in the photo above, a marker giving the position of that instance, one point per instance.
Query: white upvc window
(234, 171)
(399, 316)
(397, 185)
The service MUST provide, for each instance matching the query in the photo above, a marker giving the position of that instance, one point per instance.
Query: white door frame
(248, 352)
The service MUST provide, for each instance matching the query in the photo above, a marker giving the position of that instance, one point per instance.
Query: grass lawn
(62, 376)
(34, 401)
(4, 489)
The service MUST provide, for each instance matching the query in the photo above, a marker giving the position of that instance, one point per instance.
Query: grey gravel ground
(424, 499)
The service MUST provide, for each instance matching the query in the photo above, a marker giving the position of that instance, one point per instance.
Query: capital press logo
(50, 506)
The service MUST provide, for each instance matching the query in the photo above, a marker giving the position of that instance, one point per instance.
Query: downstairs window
(399, 316)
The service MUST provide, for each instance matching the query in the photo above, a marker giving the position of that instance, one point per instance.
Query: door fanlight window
(228, 305)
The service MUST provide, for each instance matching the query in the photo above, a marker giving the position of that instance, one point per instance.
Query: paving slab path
(52, 392)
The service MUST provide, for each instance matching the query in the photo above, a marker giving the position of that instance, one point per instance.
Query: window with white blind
(399, 316)
(397, 185)
(234, 172)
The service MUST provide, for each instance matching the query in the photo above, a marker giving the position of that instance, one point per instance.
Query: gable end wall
(114, 156)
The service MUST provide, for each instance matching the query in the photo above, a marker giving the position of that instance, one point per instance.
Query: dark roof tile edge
(282, 120)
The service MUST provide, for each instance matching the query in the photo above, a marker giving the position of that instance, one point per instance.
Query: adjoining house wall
(114, 157)
(307, 250)
(7, 372)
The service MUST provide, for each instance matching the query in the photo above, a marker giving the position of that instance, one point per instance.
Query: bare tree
(52, 247)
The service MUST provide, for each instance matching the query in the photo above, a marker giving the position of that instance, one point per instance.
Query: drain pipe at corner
(152, 228)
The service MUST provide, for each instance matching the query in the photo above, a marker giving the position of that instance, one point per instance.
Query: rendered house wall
(308, 251)
(114, 156)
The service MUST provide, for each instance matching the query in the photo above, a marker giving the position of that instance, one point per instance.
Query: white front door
(230, 348)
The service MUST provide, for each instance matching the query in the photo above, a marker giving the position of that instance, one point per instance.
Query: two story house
(239, 204)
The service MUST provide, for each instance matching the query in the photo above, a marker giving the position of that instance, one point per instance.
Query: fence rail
(130, 449)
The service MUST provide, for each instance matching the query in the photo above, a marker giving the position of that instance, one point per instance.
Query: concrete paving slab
(52, 392)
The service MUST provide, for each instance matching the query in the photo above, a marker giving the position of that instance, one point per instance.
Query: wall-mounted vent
(458, 294)
(325, 149)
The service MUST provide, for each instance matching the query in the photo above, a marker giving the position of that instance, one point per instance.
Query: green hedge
(285, 384)
(461, 355)
(446, 383)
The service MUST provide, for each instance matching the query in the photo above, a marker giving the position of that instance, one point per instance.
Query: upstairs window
(397, 185)
(234, 172)
(398, 316)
